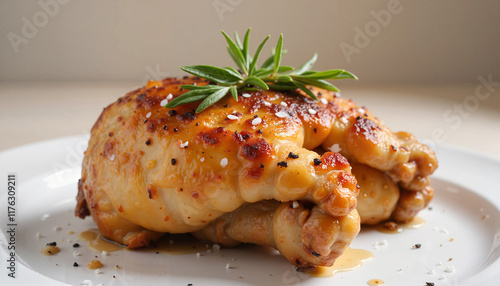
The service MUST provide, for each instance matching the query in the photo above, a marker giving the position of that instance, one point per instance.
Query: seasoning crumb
(173, 161)
(75, 264)
(76, 253)
(335, 148)
(216, 246)
(104, 253)
(256, 121)
(57, 228)
(292, 155)
(184, 145)
(390, 225)
(281, 114)
(429, 283)
(223, 162)
(317, 162)
(117, 266)
(282, 164)
(94, 264)
(295, 204)
(417, 246)
(76, 245)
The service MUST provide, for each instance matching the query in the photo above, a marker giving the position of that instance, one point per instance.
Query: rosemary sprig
(271, 75)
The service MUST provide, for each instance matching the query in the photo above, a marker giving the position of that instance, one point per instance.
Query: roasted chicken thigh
(272, 168)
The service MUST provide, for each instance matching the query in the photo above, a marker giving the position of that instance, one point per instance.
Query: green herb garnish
(271, 75)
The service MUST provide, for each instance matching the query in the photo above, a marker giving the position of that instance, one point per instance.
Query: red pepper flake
(282, 164)
(317, 162)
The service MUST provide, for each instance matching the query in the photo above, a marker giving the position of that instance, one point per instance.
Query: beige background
(422, 64)
(423, 41)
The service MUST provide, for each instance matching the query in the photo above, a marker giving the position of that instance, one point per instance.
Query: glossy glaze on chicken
(272, 168)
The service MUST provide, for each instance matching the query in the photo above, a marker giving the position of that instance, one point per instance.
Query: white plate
(463, 225)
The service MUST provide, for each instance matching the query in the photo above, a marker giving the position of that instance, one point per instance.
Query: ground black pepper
(317, 162)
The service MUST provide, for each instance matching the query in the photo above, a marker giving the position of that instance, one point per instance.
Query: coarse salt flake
(38, 235)
(311, 111)
(323, 100)
(295, 204)
(228, 266)
(383, 242)
(223, 162)
(449, 269)
(148, 115)
(267, 103)
(431, 271)
(184, 145)
(112, 157)
(98, 271)
(216, 246)
(76, 253)
(198, 254)
(343, 119)
(283, 104)
(442, 277)
(256, 121)
(232, 117)
(164, 102)
(335, 148)
(202, 159)
(169, 96)
(361, 110)
(104, 253)
(281, 114)
(247, 95)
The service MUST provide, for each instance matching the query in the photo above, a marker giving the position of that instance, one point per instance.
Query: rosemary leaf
(212, 98)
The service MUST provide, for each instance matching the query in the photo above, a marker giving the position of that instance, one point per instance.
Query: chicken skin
(149, 170)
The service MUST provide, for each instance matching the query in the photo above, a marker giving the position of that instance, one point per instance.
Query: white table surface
(464, 115)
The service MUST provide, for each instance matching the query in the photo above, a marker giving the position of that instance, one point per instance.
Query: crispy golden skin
(150, 170)
(306, 237)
